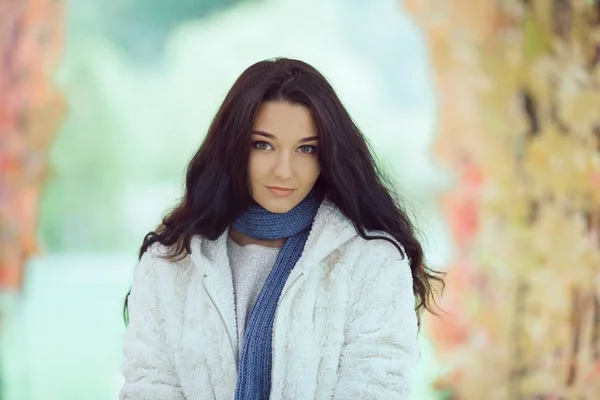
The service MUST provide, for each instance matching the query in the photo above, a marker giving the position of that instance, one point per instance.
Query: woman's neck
(243, 240)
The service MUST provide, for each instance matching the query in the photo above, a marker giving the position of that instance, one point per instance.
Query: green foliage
(81, 202)
(140, 27)
(534, 42)
(98, 154)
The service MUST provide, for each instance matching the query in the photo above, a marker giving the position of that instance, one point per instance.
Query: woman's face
(284, 165)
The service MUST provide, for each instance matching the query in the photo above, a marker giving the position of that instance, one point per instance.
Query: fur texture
(345, 326)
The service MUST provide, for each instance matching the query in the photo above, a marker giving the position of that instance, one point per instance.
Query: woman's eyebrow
(309, 139)
(271, 136)
(265, 134)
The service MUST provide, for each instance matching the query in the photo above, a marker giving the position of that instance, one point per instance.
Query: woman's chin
(277, 205)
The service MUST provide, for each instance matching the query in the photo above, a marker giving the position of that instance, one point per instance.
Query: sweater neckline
(252, 247)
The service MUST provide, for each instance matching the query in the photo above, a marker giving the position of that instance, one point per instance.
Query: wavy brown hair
(216, 184)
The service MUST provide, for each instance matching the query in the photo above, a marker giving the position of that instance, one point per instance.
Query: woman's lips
(279, 191)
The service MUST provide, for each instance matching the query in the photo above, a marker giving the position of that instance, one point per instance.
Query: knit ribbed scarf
(254, 369)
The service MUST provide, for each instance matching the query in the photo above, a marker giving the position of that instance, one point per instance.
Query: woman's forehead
(285, 121)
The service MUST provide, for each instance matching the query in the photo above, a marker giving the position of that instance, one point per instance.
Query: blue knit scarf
(254, 371)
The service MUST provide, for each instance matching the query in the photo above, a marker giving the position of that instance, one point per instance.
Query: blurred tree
(519, 94)
(30, 111)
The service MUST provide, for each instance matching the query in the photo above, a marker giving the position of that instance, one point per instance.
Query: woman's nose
(283, 167)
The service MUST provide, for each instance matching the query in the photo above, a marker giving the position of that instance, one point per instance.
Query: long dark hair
(216, 185)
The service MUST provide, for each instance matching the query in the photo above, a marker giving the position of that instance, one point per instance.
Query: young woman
(288, 270)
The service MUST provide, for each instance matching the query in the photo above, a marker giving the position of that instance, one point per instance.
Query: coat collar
(330, 229)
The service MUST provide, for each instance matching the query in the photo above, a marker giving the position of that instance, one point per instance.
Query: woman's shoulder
(337, 234)
(379, 245)
(372, 258)
(163, 262)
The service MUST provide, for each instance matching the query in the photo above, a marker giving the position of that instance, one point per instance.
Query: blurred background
(486, 114)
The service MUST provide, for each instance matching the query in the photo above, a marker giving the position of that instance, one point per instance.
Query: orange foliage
(518, 88)
(31, 108)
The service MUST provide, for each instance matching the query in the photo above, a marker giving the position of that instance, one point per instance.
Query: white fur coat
(345, 326)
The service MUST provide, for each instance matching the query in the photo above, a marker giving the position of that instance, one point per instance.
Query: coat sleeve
(148, 367)
(381, 337)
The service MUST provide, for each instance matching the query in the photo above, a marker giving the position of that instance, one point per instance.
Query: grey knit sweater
(250, 266)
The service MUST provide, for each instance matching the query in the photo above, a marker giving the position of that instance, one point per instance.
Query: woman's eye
(307, 149)
(261, 145)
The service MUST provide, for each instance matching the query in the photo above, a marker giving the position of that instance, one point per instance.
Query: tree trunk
(30, 111)
(519, 106)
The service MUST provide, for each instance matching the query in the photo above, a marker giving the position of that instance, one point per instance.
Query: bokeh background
(486, 114)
